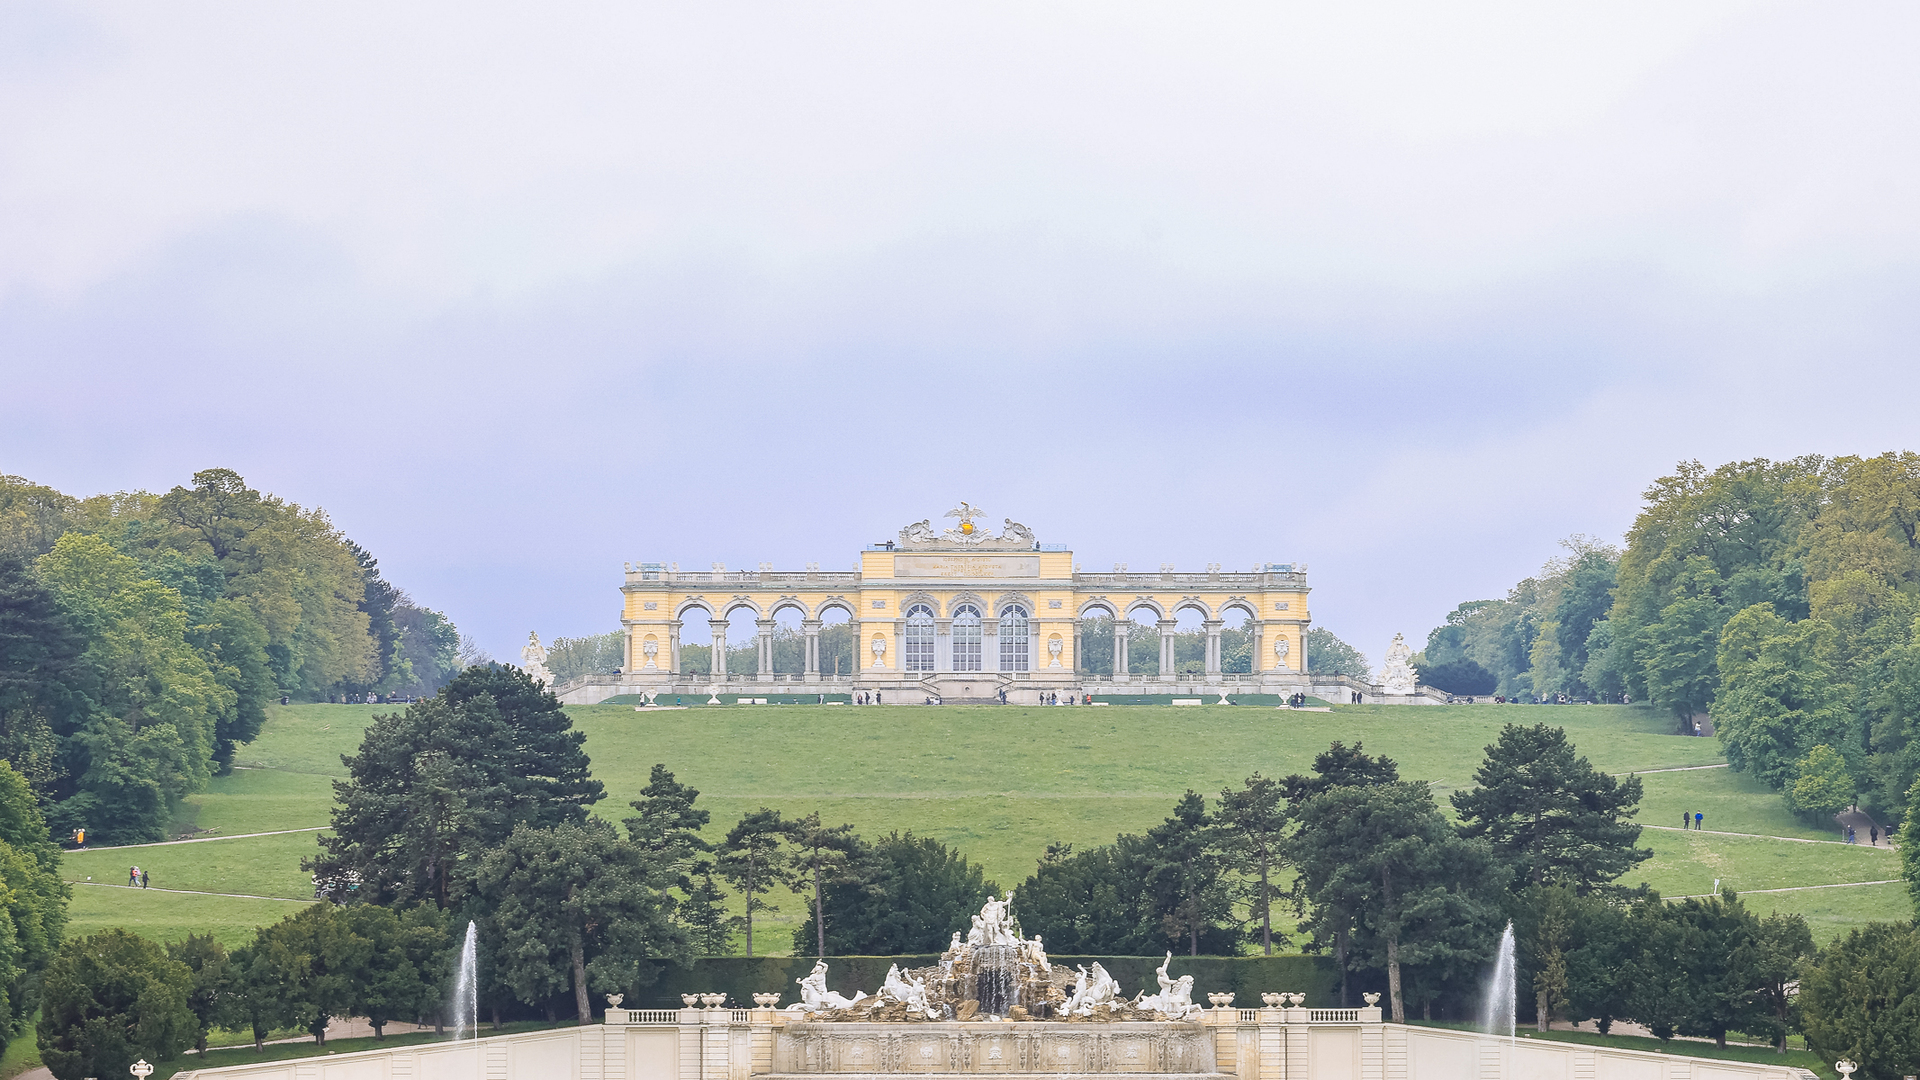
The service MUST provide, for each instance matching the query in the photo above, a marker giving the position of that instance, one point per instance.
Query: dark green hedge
(741, 977)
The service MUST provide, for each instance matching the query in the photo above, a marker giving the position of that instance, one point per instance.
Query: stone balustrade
(1282, 1040)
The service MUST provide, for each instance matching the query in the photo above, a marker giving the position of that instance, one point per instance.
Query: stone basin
(973, 1048)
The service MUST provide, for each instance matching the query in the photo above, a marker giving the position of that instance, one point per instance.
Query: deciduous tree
(1253, 821)
(1861, 1000)
(572, 905)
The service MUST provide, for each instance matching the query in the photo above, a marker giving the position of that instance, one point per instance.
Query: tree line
(142, 637)
(1780, 598)
(476, 804)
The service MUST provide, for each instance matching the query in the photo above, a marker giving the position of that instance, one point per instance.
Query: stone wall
(1241, 1044)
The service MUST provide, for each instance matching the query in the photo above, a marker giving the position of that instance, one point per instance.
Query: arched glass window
(1014, 653)
(966, 638)
(919, 638)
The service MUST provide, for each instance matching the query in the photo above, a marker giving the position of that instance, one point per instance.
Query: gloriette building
(962, 614)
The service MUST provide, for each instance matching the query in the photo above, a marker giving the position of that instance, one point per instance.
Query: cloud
(1403, 292)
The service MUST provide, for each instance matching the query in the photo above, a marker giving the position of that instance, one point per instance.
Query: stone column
(1167, 629)
(1213, 644)
(673, 647)
(811, 628)
(1120, 625)
(765, 670)
(1076, 645)
(719, 629)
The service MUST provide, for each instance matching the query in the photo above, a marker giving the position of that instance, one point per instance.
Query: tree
(213, 980)
(1600, 966)
(1549, 815)
(1417, 892)
(430, 644)
(1086, 902)
(33, 901)
(1328, 655)
(703, 914)
(1719, 959)
(1910, 845)
(407, 961)
(1330, 923)
(147, 741)
(1861, 1000)
(1822, 787)
(1782, 944)
(1253, 822)
(1551, 913)
(1679, 660)
(314, 964)
(667, 827)
(821, 856)
(1459, 677)
(754, 859)
(903, 893)
(109, 998)
(1778, 699)
(436, 787)
(572, 905)
(596, 654)
(1187, 874)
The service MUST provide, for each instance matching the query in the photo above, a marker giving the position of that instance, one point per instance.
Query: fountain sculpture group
(995, 974)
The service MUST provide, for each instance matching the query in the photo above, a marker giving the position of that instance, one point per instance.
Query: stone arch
(790, 602)
(832, 603)
(1100, 604)
(1241, 605)
(729, 607)
(968, 596)
(927, 598)
(1146, 602)
(1000, 602)
(1193, 603)
(693, 603)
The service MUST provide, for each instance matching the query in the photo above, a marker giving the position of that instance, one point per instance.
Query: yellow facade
(960, 590)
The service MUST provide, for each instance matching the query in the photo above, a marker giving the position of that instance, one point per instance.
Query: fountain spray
(1502, 990)
(466, 988)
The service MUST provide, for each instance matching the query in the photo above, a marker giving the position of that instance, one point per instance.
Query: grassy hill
(999, 784)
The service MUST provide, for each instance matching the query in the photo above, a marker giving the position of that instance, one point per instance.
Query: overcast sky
(521, 292)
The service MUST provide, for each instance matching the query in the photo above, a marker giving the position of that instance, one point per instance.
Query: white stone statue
(651, 649)
(1037, 954)
(1054, 646)
(1281, 648)
(533, 659)
(1175, 999)
(879, 650)
(1092, 989)
(1398, 676)
(993, 926)
(920, 532)
(1016, 532)
(908, 991)
(814, 995)
(955, 945)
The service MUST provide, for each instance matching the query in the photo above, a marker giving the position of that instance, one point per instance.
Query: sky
(519, 293)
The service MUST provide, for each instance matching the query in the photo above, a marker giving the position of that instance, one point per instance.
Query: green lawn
(998, 783)
(170, 916)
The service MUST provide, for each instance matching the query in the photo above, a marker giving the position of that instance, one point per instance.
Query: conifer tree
(1550, 816)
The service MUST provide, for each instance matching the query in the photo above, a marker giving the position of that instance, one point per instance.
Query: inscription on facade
(966, 566)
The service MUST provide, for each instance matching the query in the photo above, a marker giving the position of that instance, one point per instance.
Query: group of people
(866, 697)
(1873, 835)
(1691, 820)
(137, 878)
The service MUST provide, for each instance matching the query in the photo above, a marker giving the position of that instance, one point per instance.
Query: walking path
(202, 839)
(1681, 768)
(1764, 836)
(190, 892)
(1795, 888)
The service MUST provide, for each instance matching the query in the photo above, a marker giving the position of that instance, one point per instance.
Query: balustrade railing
(653, 1016)
(1333, 1016)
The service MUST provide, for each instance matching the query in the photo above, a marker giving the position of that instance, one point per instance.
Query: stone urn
(691, 999)
(766, 1001)
(1370, 999)
(1220, 1001)
(713, 1001)
(1273, 1001)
